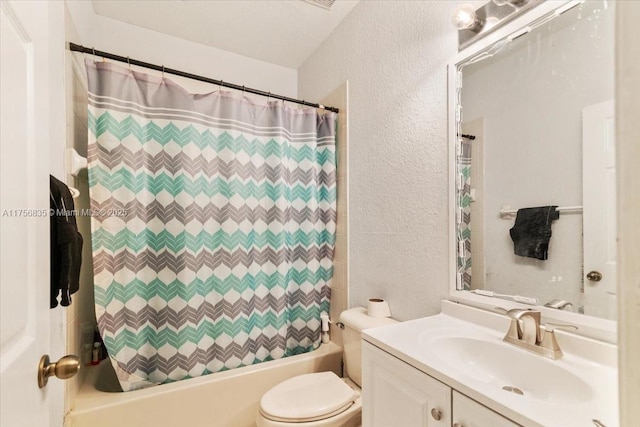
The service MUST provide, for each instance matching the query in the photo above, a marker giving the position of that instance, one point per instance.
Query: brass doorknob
(64, 368)
(594, 276)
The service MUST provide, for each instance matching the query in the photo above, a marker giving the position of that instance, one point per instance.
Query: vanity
(527, 334)
(454, 369)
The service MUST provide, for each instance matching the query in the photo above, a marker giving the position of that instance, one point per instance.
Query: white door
(599, 202)
(24, 206)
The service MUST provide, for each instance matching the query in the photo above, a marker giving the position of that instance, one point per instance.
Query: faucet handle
(550, 327)
(515, 313)
(549, 341)
(559, 304)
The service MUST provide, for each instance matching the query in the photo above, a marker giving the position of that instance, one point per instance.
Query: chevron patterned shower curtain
(213, 226)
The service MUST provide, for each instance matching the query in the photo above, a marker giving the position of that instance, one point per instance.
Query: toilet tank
(355, 320)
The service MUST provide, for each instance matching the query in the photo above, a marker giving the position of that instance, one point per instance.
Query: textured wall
(395, 56)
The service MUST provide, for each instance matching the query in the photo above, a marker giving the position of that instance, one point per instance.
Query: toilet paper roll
(377, 307)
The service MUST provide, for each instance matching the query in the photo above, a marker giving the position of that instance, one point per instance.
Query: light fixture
(465, 18)
(473, 24)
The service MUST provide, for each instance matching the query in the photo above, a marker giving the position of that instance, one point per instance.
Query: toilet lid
(308, 397)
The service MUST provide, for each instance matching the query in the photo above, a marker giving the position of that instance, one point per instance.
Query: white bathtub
(224, 399)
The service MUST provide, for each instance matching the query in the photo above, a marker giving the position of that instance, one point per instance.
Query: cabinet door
(469, 413)
(395, 394)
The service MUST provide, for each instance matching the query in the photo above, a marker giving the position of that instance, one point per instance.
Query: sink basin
(511, 369)
(462, 347)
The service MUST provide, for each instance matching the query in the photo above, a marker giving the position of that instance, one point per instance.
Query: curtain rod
(78, 48)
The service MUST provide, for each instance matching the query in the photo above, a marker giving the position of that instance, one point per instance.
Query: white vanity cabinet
(469, 413)
(396, 394)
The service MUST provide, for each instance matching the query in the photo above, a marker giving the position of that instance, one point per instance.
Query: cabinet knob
(594, 276)
(436, 414)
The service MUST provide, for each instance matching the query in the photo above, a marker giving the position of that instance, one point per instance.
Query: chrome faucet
(531, 335)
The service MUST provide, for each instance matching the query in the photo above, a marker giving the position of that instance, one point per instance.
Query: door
(599, 210)
(24, 210)
(397, 394)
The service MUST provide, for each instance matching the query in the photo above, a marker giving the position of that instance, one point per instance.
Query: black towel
(65, 244)
(532, 231)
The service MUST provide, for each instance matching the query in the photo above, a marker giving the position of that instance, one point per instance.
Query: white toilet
(323, 399)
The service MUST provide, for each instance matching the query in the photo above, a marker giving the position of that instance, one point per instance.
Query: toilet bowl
(312, 400)
(323, 399)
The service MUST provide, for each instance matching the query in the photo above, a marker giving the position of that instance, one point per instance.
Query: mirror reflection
(536, 165)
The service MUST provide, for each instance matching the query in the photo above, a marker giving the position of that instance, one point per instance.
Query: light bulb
(464, 17)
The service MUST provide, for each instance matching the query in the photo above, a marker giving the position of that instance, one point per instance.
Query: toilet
(323, 399)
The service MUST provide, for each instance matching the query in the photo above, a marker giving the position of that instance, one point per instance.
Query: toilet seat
(309, 397)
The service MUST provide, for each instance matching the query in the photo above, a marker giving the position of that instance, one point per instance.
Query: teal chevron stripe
(167, 291)
(105, 123)
(201, 185)
(125, 238)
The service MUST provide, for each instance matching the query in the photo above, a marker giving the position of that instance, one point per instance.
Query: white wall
(627, 129)
(530, 97)
(124, 39)
(394, 54)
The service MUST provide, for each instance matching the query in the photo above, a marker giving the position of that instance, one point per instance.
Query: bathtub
(224, 399)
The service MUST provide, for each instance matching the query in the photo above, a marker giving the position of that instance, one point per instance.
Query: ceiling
(283, 32)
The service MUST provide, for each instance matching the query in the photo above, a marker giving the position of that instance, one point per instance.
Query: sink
(463, 348)
(511, 369)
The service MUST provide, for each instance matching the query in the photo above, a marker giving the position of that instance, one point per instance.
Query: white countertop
(588, 365)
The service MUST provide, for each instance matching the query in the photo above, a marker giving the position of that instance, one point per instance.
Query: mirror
(536, 131)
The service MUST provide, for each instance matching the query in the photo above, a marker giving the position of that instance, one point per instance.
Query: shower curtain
(213, 226)
(464, 222)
